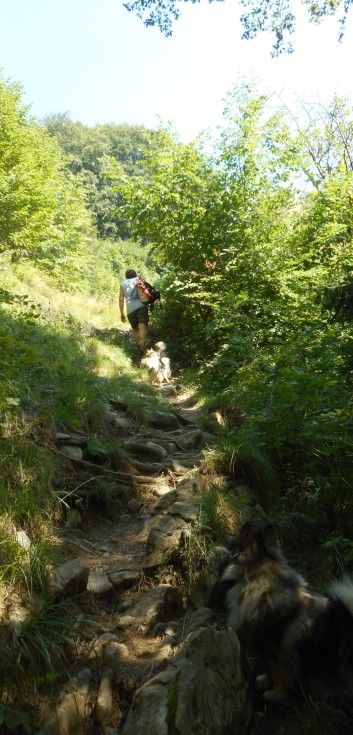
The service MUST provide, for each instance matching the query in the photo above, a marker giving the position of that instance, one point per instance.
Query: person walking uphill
(137, 312)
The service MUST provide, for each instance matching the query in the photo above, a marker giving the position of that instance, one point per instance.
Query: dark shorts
(139, 316)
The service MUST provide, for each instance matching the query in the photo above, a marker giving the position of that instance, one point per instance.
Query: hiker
(137, 312)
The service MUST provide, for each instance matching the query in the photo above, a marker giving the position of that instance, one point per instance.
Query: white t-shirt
(132, 300)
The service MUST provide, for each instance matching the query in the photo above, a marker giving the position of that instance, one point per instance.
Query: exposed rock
(171, 630)
(184, 510)
(160, 603)
(163, 541)
(161, 490)
(163, 419)
(125, 621)
(122, 424)
(99, 646)
(178, 468)
(147, 447)
(134, 505)
(192, 439)
(125, 578)
(104, 705)
(125, 605)
(114, 654)
(171, 641)
(168, 630)
(201, 618)
(98, 583)
(70, 578)
(71, 451)
(166, 501)
(23, 540)
(195, 482)
(70, 714)
(125, 517)
(77, 440)
(17, 615)
(202, 690)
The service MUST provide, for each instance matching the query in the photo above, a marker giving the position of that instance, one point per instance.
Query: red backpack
(146, 292)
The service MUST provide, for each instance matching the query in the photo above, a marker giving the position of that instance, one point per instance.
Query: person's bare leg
(136, 333)
(142, 329)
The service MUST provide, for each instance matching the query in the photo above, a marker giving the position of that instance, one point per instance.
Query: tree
(88, 153)
(43, 215)
(213, 220)
(260, 15)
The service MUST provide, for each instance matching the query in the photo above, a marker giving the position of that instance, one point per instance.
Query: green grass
(63, 356)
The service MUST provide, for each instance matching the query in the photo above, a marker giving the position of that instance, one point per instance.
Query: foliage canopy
(259, 15)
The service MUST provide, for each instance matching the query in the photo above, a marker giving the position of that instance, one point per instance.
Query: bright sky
(98, 62)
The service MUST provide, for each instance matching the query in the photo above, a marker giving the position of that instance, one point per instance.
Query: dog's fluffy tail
(342, 590)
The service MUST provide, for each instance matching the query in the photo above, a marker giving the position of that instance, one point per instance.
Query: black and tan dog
(293, 632)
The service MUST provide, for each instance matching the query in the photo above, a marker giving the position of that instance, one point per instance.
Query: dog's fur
(158, 364)
(293, 632)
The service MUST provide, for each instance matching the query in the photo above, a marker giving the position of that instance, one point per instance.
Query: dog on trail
(294, 633)
(158, 363)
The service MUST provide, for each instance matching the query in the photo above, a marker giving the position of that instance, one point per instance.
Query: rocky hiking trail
(151, 660)
(150, 652)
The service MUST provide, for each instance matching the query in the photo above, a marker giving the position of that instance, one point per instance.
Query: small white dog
(158, 364)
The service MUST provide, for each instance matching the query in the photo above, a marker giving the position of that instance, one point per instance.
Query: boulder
(70, 578)
(70, 713)
(163, 419)
(98, 583)
(203, 690)
(72, 452)
(147, 447)
(164, 539)
(191, 439)
(124, 578)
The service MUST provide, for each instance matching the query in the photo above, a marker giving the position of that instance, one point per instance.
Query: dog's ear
(246, 534)
(270, 539)
(231, 542)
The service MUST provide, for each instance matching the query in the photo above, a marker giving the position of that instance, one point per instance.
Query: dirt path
(112, 544)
